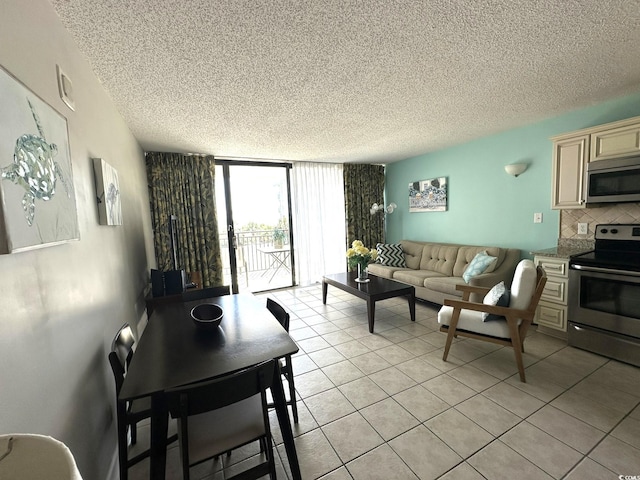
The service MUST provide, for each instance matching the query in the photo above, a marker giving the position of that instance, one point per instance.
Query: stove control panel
(618, 231)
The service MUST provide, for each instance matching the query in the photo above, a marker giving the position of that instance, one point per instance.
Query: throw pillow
(499, 296)
(391, 255)
(477, 266)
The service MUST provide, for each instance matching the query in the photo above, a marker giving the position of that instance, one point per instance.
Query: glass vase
(363, 274)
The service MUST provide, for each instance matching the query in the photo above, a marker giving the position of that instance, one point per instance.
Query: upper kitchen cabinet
(616, 142)
(570, 156)
(572, 151)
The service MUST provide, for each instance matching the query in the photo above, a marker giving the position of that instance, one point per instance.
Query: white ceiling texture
(350, 80)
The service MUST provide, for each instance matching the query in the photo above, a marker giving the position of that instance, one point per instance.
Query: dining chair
(489, 321)
(217, 416)
(286, 366)
(128, 413)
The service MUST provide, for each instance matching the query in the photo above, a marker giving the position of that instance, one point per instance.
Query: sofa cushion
(478, 266)
(446, 285)
(439, 258)
(383, 270)
(390, 254)
(499, 253)
(468, 253)
(414, 277)
(412, 253)
(471, 320)
(498, 296)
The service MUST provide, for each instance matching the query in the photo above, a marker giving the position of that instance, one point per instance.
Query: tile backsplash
(613, 213)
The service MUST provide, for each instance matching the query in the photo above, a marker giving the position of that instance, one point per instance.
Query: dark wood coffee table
(377, 288)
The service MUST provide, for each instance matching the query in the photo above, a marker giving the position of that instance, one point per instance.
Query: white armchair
(509, 324)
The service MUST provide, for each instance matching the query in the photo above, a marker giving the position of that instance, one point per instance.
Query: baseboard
(552, 332)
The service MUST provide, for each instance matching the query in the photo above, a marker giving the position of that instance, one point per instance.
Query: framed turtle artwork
(37, 197)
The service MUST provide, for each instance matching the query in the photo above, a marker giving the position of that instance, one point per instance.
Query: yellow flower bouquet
(358, 254)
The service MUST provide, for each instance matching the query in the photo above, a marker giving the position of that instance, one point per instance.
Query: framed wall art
(38, 202)
(108, 193)
(428, 195)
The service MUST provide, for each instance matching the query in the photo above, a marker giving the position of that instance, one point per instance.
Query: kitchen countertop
(565, 249)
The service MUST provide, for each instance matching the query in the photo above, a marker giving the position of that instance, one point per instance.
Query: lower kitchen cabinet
(551, 314)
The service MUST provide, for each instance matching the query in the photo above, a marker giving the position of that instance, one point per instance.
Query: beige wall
(61, 305)
(617, 213)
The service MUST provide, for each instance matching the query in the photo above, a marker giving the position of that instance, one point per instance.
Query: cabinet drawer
(552, 316)
(615, 142)
(555, 291)
(553, 267)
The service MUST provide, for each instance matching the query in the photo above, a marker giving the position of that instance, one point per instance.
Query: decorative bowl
(207, 315)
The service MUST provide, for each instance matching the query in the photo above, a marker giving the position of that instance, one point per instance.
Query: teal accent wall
(487, 206)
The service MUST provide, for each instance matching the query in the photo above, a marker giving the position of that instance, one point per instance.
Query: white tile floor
(385, 406)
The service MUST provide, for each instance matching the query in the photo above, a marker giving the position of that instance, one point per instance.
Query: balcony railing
(251, 260)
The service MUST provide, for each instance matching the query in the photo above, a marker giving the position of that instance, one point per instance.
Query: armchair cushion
(478, 265)
(499, 296)
(471, 321)
(523, 285)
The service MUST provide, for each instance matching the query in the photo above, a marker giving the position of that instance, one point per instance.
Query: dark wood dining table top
(173, 351)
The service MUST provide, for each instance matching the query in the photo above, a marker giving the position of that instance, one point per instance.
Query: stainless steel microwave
(613, 181)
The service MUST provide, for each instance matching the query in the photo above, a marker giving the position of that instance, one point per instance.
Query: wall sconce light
(515, 169)
(375, 208)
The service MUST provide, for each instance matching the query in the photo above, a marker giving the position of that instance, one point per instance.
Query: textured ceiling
(350, 80)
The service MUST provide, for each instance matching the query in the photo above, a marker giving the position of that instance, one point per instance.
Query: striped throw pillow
(391, 255)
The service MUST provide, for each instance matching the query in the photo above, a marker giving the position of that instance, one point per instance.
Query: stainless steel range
(604, 294)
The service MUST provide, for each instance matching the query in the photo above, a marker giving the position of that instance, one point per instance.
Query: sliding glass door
(254, 216)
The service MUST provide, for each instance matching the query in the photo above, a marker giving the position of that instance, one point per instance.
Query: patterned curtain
(183, 185)
(363, 186)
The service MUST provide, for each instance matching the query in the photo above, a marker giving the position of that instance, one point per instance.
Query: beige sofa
(435, 269)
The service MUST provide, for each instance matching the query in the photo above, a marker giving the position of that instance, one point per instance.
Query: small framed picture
(108, 193)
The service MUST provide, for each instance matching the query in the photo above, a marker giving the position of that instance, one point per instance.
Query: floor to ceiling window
(254, 217)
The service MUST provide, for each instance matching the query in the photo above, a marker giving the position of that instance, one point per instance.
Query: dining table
(173, 351)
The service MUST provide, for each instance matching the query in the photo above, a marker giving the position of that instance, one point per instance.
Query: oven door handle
(606, 270)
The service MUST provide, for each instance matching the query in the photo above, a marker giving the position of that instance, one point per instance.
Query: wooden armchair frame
(511, 315)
